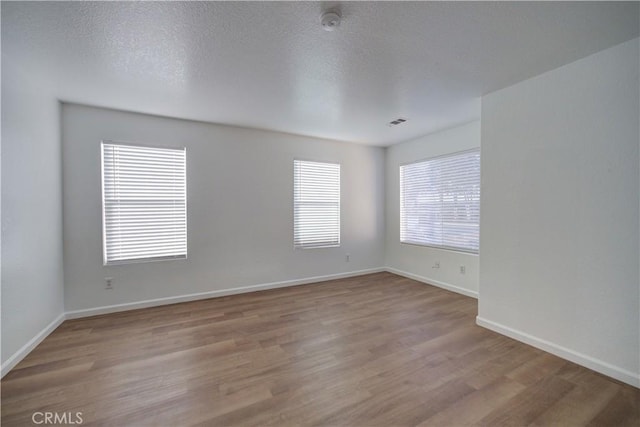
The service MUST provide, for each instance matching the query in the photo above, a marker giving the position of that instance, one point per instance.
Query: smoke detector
(396, 122)
(330, 20)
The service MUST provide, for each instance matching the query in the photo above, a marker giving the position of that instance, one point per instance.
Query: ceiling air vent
(396, 122)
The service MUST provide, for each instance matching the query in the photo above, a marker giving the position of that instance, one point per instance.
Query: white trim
(597, 365)
(439, 284)
(560, 351)
(212, 294)
(28, 347)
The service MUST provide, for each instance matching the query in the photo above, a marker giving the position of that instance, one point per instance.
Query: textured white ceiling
(271, 66)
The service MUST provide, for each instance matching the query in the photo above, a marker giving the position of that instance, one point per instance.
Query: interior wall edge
(597, 365)
(433, 282)
(76, 314)
(618, 373)
(24, 351)
(32, 265)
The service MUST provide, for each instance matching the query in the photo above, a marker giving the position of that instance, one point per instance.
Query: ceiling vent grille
(397, 122)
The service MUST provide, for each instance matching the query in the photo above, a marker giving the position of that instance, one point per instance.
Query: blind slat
(440, 202)
(316, 204)
(144, 203)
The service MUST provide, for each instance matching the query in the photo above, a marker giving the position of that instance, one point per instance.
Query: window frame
(325, 246)
(105, 261)
(431, 245)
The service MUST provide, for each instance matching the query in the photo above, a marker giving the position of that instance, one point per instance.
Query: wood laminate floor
(375, 350)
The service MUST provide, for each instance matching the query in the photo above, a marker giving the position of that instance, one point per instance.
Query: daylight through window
(440, 202)
(316, 204)
(144, 203)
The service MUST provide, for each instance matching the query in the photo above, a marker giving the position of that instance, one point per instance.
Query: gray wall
(240, 208)
(32, 283)
(559, 211)
(560, 235)
(418, 261)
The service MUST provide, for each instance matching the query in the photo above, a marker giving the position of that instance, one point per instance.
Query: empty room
(320, 213)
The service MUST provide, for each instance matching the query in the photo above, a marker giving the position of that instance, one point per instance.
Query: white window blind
(144, 203)
(440, 202)
(316, 204)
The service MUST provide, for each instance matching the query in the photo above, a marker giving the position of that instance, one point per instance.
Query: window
(316, 204)
(440, 202)
(144, 203)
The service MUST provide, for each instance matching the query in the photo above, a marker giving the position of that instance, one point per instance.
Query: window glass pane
(144, 203)
(440, 202)
(316, 204)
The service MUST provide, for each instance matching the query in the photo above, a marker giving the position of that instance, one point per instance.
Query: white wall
(240, 208)
(417, 261)
(560, 208)
(32, 283)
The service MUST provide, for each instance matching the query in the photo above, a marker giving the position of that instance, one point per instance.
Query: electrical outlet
(108, 282)
(436, 264)
(463, 269)
(347, 257)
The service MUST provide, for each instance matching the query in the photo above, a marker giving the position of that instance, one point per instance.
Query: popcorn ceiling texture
(271, 66)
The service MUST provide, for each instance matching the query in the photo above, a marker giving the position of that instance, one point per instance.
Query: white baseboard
(428, 281)
(28, 347)
(573, 356)
(75, 314)
(597, 365)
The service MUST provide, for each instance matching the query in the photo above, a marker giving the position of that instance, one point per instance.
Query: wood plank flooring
(375, 350)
